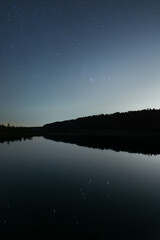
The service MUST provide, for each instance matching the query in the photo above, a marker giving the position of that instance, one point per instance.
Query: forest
(132, 123)
(142, 121)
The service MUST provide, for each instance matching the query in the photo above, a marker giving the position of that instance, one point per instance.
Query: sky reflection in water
(50, 188)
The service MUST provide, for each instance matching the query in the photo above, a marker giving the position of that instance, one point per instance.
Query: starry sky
(63, 59)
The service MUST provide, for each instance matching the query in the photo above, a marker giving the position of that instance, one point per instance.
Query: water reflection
(13, 139)
(141, 144)
(51, 189)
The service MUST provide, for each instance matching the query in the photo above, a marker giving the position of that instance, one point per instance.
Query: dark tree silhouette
(132, 121)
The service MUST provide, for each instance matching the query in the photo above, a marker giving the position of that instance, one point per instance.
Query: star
(91, 80)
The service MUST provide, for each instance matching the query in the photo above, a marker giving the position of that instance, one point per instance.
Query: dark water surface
(53, 190)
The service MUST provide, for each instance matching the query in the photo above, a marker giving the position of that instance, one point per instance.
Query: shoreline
(145, 142)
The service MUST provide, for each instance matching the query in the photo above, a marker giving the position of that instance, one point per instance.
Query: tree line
(147, 119)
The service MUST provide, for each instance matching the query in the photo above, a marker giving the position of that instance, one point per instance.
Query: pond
(51, 189)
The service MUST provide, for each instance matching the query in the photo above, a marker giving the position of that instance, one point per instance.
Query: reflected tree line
(133, 131)
(134, 144)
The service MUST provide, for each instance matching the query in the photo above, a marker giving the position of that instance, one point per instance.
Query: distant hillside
(132, 121)
(11, 133)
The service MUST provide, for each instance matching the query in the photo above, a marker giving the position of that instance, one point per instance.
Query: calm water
(53, 189)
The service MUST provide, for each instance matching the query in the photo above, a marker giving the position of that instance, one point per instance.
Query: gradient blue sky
(63, 59)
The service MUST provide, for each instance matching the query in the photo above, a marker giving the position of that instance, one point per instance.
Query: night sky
(63, 59)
